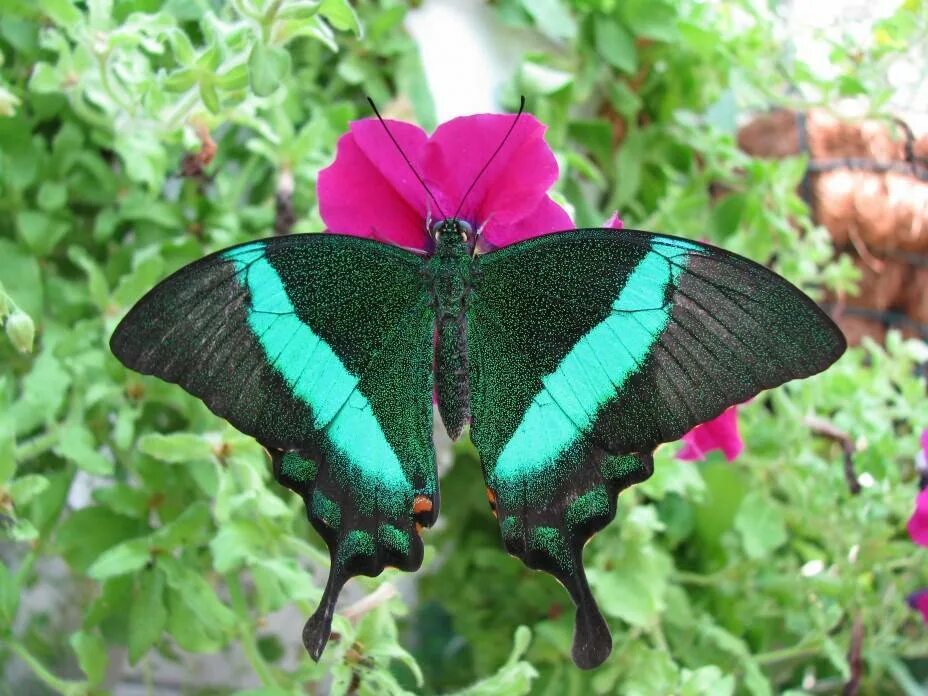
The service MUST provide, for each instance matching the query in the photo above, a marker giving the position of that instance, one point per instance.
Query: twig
(852, 687)
(382, 594)
(824, 428)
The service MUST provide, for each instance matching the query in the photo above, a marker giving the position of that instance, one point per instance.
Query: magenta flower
(919, 600)
(720, 433)
(615, 222)
(369, 191)
(918, 522)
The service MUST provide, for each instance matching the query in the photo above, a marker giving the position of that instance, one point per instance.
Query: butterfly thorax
(449, 271)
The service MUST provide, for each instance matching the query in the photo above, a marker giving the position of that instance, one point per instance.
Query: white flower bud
(21, 330)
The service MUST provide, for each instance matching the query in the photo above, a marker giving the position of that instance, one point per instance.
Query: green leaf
(210, 96)
(190, 632)
(341, 15)
(91, 655)
(22, 279)
(707, 681)
(25, 488)
(234, 78)
(538, 78)
(514, 678)
(761, 525)
(76, 444)
(7, 449)
(39, 231)
(197, 595)
(552, 18)
(175, 448)
(123, 558)
(148, 614)
(61, 12)
(616, 45)
(98, 287)
(726, 215)
(652, 19)
(650, 672)
(192, 526)
(181, 80)
(52, 195)
(267, 68)
(9, 597)
(87, 533)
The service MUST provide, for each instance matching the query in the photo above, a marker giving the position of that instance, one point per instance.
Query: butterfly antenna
(493, 156)
(405, 158)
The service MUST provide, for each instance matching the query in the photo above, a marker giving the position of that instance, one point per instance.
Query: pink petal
(919, 600)
(515, 182)
(721, 433)
(547, 217)
(918, 522)
(369, 191)
(615, 222)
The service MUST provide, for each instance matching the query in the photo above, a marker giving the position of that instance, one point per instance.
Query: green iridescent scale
(572, 356)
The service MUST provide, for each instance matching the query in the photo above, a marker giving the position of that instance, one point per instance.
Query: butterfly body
(572, 355)
(449, 271)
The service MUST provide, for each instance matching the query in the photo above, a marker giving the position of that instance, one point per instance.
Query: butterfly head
(452, 237)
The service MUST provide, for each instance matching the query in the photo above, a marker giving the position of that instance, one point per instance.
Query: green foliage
(716, 578)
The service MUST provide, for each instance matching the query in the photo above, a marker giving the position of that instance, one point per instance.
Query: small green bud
(21, 330)
(9, 102)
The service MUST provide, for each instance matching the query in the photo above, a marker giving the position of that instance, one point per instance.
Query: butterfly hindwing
(590, 347)
(319, 346)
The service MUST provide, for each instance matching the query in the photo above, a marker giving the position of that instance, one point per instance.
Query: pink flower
(919, 600)
(720, 433)
(918, 522)
(615, 222)
(369, 191)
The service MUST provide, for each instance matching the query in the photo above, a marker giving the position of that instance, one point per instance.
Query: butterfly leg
(547, 523)
(365, 530)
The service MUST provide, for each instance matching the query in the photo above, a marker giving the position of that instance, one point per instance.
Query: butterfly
(571, 356)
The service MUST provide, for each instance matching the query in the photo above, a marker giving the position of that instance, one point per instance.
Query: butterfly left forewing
(589, 348)
(319, 346)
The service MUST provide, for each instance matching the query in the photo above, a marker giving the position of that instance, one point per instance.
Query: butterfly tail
(592, 640)
(318, 628)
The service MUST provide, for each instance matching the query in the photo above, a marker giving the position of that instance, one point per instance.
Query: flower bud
(21, 330)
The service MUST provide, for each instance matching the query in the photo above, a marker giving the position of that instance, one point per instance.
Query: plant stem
(810, 649)
(68, 688)
(36, 445)
(247, 633)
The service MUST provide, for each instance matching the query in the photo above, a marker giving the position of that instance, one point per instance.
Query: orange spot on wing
(421, 503)
(491, 496)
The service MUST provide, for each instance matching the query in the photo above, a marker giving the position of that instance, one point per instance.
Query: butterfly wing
(588, 348)
(319, 346)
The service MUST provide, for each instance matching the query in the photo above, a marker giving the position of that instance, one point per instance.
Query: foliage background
(160, 526)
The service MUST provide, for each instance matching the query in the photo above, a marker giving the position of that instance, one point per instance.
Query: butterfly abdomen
(451, 375)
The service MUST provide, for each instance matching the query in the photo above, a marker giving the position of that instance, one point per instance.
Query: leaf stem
(35, 446)
(808, 649)
(67, 688)
(247, 634)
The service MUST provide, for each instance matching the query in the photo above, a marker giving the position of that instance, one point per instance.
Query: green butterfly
(572, 355)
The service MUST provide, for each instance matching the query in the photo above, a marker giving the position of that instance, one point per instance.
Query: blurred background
(147, 550)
